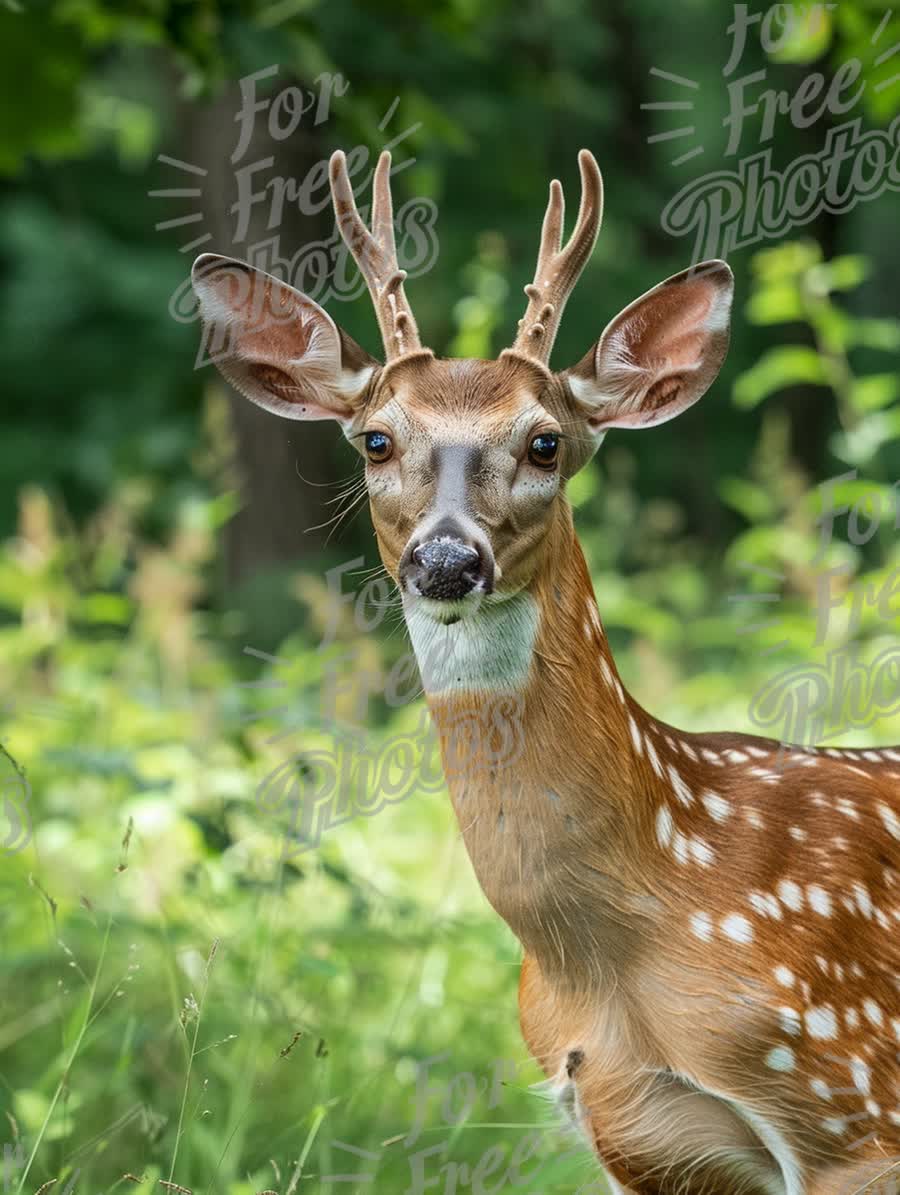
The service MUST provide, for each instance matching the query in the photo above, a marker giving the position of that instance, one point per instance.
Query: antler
(558, 267)
(375, 253)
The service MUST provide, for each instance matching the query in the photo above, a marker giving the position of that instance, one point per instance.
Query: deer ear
(659, 355)
(276, 346)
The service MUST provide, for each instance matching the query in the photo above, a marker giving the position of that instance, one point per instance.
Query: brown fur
(612, 966)
(711, 965)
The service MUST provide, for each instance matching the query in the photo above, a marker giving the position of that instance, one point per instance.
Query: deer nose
(447, 560)
(445, 569)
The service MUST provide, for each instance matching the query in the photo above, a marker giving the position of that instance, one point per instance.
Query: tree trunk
(278, 505)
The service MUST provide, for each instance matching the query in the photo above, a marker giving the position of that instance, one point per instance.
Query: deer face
(464, 467)
(465, 460)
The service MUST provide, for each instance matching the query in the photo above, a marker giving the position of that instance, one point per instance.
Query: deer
(710, 964)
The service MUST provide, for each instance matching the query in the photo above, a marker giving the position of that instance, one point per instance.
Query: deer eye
(543, 450)
(379, 447)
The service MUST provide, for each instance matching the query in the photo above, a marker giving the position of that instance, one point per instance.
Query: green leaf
(43, 66)
(775, 303)
(876, 334)
(876, 391)
(786, 261)
(845, 273)
(861, 444)
(105, 607)
(783, 366)
(749, 500)
(860, 492)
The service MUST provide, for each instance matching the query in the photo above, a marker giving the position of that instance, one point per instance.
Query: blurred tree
(278, 463)
(494, 99)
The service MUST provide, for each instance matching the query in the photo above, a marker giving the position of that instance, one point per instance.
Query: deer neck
(536, 734)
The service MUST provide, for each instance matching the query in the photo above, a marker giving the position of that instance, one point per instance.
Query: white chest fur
(490, 649)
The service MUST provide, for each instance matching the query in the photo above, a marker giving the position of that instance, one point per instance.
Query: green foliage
(169, 956)
(787, 543)
(794, 285)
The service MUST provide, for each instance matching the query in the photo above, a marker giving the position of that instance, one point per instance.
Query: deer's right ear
(278, 347)
(659, 355)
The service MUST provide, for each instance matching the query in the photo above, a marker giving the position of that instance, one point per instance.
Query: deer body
(675, 893)
(711, 967)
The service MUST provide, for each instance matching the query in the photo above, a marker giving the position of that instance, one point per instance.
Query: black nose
(445, 569)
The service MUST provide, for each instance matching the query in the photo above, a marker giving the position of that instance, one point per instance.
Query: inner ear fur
(277, 346)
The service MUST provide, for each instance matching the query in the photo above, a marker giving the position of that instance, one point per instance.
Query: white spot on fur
(821, 1023)
(718, 808)
(781, 1058)
(682, 792)
(701, 852)
(701, 924)
(862, 1076)
(765, 904)
(654, 758)
(738, 928)
(863, 900)
(790, 1021)
(635, 735)
(890, 819)
(790, 895)
(873, 1011)
(664, 827)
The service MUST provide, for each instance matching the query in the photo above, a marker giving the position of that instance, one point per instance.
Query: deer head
(466, 460)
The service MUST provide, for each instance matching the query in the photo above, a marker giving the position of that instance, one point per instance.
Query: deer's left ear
(276, 346)
(660, 354)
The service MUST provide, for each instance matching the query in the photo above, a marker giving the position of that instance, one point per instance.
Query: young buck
(710, 974)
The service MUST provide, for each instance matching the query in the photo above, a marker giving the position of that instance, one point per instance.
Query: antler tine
(375, 252)
(383, 206)
(558, 268)
(552, 228)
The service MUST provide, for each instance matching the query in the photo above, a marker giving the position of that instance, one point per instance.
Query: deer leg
(655, 1133)
(676, 1140)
